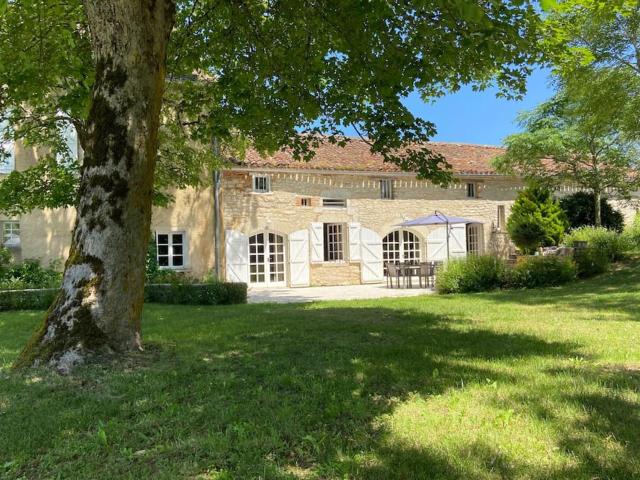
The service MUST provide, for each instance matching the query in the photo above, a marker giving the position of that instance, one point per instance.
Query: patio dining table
(409, 270)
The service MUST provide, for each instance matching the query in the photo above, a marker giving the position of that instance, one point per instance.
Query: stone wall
(280, 210)
(338, 273)
(46, 234)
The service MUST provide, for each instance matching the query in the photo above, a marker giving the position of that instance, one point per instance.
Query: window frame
(333, 242)
(5, 233)
(305, 202)
(170, 250)
(259, 177)
(334, 203)
(474, 239)
(472, 190)
(386, 189)
(501, 218)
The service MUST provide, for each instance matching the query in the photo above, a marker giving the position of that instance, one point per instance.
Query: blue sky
(480, 117)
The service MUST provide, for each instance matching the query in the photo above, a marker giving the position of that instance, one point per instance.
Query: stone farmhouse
(272, 221)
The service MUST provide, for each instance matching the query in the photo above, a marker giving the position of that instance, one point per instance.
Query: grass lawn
(537, 385)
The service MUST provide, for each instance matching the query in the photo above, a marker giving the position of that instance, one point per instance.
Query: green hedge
(27, 299)
(470, 274)
(486, 272)
(540, 271)
(218, 293)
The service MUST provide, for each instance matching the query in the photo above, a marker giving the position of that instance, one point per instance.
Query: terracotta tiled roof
(355, 156)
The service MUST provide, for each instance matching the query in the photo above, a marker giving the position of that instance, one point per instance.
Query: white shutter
(458, 240)
(437, 245)
(354, 242)
(371, 243)
(316, 234)
(237, 256)
(299, 258)
(437, 242)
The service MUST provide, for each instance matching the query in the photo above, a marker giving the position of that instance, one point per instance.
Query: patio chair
(393, 271)
(407, 271)
(426, 273)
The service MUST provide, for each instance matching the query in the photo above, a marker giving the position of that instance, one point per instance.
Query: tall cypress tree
(536, 220)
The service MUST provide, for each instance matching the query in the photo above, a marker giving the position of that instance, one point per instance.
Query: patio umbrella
(437, 218)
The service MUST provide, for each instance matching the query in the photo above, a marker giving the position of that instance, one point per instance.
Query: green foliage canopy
(263, 72)
(577, 137)
(598, 44)
(580, 210)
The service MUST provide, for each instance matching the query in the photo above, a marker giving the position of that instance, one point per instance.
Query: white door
(371, 254)
(236, 253)
(474, 239)
(299, 258)
(266, 259)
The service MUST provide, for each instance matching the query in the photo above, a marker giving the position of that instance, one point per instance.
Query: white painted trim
(186, 261)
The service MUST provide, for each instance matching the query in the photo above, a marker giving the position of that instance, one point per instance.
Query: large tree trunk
(597, 199)
(99, 306)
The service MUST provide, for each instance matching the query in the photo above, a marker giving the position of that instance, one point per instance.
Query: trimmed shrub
(470, 274)
(181, 294)
(39, 299)
(581, 211)
(217, 293)
(29, 274)
(608, 243)
(540, 271)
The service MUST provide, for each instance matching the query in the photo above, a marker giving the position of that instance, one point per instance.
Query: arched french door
(401, 246)
(267, 259)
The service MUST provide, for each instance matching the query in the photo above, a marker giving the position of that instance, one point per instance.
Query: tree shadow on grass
(263, 392)
(614, 292)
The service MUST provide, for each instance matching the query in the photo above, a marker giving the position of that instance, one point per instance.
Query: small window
(386, 189)
(334, 203)
(305, 202)
(261, 184)
(333, 242)
(171, 249)
(500, 222)
(471, 190)
(11, 233)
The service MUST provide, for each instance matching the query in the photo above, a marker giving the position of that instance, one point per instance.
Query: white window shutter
(237, 256)
(299, 258)
(354, 242)
(437, 245)
(316, 240)
(437, 242)
(371, 266)
(458, 240)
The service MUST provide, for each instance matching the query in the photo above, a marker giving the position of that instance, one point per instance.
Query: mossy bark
(99, 305)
